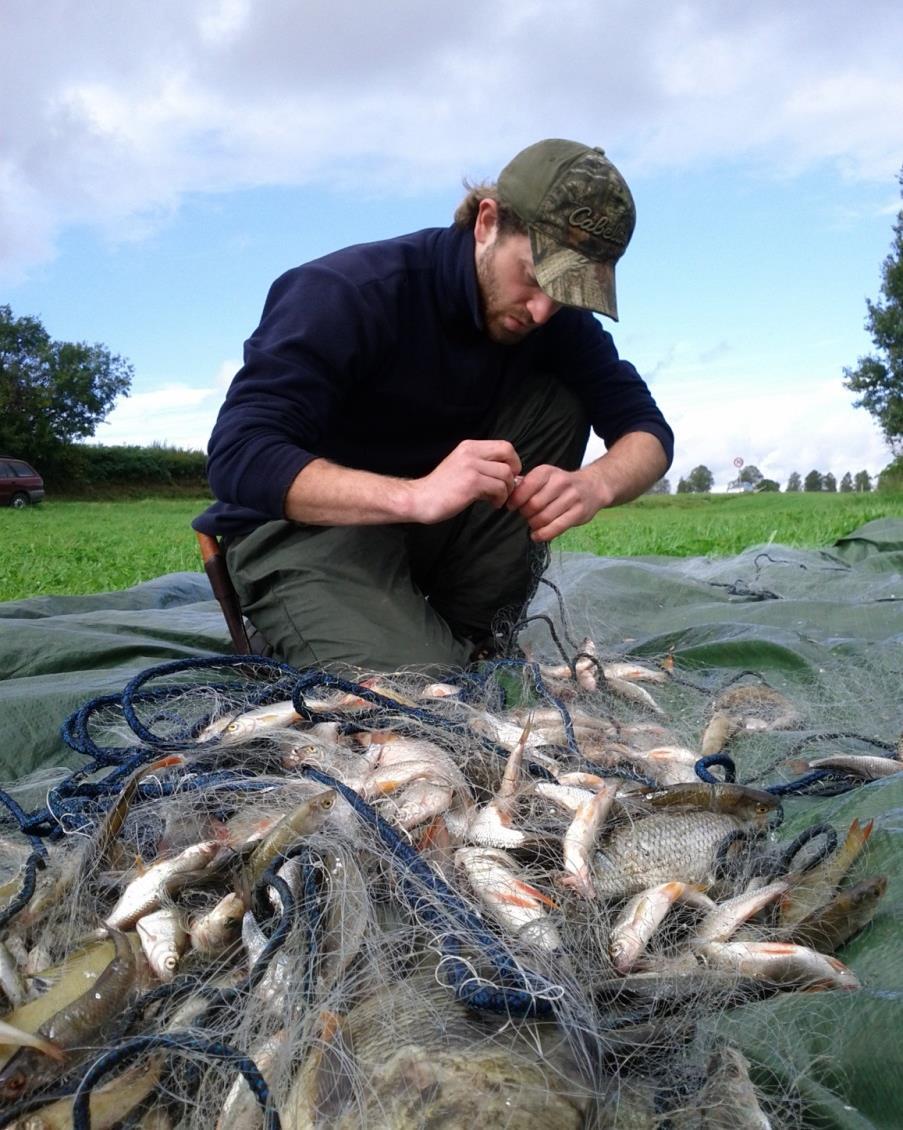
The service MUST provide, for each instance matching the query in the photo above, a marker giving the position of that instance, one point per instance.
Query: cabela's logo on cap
(614, 229)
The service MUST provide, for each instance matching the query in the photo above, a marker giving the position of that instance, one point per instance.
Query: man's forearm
(628, 469)
(326, 494)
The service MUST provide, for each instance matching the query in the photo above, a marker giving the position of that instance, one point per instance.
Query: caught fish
(745, 803)
(580, 838)
(857, 765)
(718, 732)
(492, 824)
(634, 694)
(345, 919)
(14, 1037)
(302, 821)
(252, 723)
(516, 904)
(216, 930)
(661, 847)
(667, 765)
(724, 918)
(75, 1025)
(10, 978)
(144, 893)
(832, 925)
(635, 672)
(815, 887)
(781, 964)
(109, 1104)
(163, 939)
(641, 917)
(277, 981)
(112, 823)
(241, 1110)
(747, 707)
(728, 1100)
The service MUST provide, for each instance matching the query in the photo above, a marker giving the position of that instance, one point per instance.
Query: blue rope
(521, 1000)
(802, 784)
(702, 768)
(22, 819)
(177, 666)
(23, 895)
(177, 1041)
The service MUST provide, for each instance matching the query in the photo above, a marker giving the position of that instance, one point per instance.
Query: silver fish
(144, 893)
(163, 939)
(658, 848)
(516, 904)
(641, 917)
(781, 964)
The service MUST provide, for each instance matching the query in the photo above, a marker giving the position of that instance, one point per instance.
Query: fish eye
(15, 1084)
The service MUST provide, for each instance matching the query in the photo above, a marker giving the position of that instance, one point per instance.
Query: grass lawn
(83, 547)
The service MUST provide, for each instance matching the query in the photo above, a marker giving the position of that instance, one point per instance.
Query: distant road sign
(738, 462)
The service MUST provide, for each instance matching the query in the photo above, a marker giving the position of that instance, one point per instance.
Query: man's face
(513, 304)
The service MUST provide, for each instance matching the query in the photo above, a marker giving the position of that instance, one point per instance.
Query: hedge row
(86, 470)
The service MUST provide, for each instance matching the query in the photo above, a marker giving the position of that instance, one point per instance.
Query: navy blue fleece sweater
(376, 358)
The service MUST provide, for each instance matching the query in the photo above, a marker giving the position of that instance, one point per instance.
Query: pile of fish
(398, 903)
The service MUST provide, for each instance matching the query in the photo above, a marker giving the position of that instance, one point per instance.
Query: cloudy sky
(161, 164)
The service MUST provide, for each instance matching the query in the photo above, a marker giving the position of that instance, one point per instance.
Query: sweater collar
(456, 279)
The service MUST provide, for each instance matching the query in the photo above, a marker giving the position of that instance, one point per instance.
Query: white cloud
(175, 414)
(802, 426)
(111, 114)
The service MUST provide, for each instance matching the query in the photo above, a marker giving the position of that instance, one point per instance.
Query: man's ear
(486, 221)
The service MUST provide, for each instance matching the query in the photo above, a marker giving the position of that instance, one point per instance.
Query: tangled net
(518, 898)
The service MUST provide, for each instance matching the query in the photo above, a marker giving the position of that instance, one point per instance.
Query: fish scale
(660, 848)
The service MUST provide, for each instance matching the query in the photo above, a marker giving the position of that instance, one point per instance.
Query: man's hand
(478, 470)
(552, 501)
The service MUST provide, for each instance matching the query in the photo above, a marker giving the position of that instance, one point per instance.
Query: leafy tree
(701, 480)
(683, 487)
(813, 481)
(52, 392)
(863, 481)
(829, 483)
(878, 378)
(663, 486)
(766, 485)
(794, 483)
(751, 475)
(846, 484)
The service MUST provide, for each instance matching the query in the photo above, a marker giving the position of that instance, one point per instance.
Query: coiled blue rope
(174, 1041)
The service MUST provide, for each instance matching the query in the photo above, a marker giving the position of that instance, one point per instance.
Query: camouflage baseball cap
(580, 216)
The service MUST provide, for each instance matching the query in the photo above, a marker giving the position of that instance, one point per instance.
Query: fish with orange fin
(813, 888)
(515, 904)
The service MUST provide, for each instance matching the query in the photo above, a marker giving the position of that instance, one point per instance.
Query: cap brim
(571, 279)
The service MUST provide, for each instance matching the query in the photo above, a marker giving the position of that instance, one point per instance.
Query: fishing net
(397, 920)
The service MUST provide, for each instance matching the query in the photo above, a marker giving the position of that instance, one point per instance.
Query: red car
(20, 485)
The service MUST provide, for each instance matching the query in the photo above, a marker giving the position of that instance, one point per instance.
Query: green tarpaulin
(825, 627)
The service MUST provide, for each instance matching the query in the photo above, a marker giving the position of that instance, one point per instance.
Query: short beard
(489, 299)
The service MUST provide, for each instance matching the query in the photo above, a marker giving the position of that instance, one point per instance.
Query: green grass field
(84, 547)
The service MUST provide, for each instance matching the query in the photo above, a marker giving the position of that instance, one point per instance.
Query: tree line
(701, 480)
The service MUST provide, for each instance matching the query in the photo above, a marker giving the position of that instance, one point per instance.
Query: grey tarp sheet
(825, 626)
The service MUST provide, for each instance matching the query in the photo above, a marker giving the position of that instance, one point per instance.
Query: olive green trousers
(387, 598)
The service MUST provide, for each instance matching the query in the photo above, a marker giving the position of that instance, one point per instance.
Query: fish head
(15, 1076)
